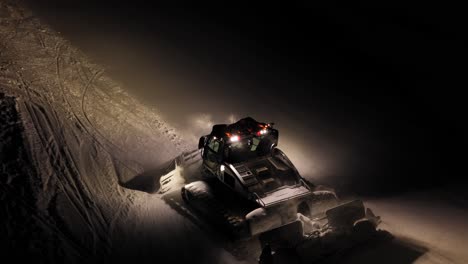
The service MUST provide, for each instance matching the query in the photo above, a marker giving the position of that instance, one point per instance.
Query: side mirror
(271, 124)
(201, 142)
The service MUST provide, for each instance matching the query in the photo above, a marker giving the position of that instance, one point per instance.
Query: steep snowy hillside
(72, 141)
(85, 137)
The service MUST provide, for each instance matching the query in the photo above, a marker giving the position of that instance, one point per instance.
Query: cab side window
(214, 145)
(213, 148)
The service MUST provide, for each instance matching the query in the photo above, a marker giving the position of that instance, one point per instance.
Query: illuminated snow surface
(87, 137)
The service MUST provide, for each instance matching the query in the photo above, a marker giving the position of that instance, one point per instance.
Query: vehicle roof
(243, 127)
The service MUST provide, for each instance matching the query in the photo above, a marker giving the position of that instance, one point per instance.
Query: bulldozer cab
(247, 149)
(238, 142)
(216, 150)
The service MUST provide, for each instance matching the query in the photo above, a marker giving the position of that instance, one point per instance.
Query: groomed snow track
(85, 138)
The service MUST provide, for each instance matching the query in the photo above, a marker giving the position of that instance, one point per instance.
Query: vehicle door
(213, 154)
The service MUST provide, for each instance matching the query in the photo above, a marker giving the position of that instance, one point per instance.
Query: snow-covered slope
(85, 138)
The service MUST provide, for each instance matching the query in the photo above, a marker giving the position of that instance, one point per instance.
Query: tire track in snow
(66, 125)
(118, 104)
(53, 139)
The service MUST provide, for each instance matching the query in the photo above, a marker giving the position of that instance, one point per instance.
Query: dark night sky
(385, 82)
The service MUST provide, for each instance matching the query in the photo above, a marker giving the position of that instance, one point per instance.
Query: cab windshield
(246, 149)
